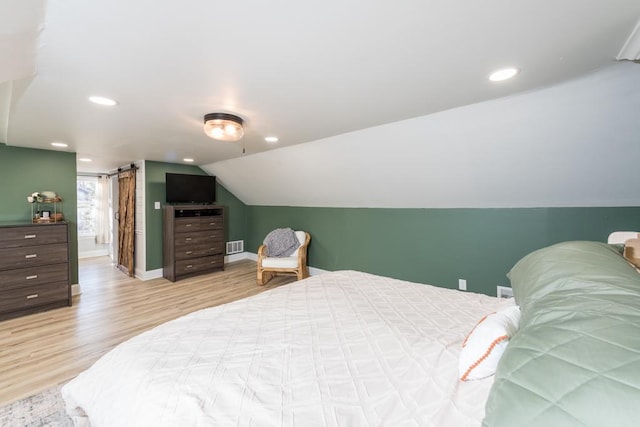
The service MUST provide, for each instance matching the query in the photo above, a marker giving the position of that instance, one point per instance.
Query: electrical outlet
(462, 284)
(156, 205)
(504, 292)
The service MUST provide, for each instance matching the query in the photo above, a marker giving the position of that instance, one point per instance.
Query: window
(87, 206)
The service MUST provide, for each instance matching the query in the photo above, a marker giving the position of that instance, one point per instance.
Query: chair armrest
(262, 251)
(302, 251)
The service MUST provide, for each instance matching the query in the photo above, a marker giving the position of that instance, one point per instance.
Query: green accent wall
(436, 246)
(26, 170)
(235, 210)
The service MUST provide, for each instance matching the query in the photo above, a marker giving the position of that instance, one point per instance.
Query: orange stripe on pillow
(484, 356)
(464, 343)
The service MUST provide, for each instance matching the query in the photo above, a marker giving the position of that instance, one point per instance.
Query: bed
(343, 348)
(355, 349)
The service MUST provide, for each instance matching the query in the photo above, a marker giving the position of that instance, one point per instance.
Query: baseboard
(251, 256)
(93, 254)
(236, 257)
(316, 271)
(75, 289)
(149, 275)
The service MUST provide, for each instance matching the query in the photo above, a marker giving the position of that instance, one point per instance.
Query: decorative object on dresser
(34, 268)
(46, 207)
(193, 240)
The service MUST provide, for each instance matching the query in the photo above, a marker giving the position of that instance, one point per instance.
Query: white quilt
(339, 349)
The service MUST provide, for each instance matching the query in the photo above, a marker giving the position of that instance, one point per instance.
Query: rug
(42, 409)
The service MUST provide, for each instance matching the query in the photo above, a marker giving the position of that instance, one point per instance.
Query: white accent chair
(620, 237)
(296, 263)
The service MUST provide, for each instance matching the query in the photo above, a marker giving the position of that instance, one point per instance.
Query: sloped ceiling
(574, 144)
(302, 71)
(20, 24)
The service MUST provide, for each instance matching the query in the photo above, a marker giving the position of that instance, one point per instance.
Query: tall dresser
(34, 268)
(193, 240)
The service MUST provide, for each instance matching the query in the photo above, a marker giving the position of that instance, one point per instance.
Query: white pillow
(486, 342)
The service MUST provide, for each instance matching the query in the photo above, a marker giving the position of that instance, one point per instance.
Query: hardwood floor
(45, 349)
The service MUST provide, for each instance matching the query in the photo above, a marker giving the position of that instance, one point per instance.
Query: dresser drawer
(27, 256)
(198, 224)
(189, 266)
(30, 276)
(196, 238)
(187, 225)
(31, 236)
(33, 296)
(184, 251)
(211, 222)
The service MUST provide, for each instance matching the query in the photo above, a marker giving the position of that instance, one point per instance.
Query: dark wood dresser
(34, 268)
(193, 240)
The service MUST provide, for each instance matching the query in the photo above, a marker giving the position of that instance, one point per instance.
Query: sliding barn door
(126, 220)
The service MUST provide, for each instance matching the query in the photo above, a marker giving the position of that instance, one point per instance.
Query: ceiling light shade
(223, 126)
(101, 100)
(504, 74)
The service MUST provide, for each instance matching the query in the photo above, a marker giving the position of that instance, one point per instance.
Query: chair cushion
(283, 262)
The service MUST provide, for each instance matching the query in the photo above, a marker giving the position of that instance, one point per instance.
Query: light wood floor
(41, 350)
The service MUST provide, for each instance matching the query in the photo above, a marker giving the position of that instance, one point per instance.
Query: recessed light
(504, 74)
(271, 139)
(59, 144)
(85, 159)
(188, 160)
(101, 100)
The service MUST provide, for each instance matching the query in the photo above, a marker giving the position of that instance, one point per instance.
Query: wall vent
(235, 247)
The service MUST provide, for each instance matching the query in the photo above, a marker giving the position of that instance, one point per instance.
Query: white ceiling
(300, 71)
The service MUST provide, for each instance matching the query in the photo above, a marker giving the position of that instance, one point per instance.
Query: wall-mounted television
(183, 188)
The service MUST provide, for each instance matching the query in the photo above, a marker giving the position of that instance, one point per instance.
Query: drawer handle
(29, 236)
(189, 225)
(189, 252)
(32, 296)
(188, 266)
(31, 256)
(212, 223)
(35, 276)
(188, 239)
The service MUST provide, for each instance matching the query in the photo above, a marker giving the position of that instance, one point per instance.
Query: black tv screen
(182, 188)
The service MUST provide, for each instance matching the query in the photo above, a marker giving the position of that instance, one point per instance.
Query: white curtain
(102, 208)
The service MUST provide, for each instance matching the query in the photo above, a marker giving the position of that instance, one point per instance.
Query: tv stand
(193, 240)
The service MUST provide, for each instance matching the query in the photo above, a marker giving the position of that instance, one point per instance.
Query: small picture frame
(45, 214)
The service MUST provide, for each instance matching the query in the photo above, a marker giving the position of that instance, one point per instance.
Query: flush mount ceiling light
(59, 144)
(271, 139)
(101, 100)
(504, 74)
(223, 126)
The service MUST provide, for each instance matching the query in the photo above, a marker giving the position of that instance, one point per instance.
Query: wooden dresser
(193, 240)
(34, 268)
